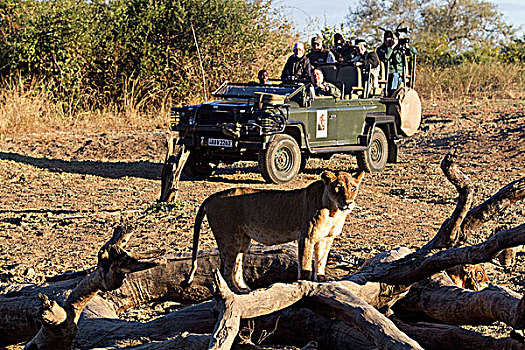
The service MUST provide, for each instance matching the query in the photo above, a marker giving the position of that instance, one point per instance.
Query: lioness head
(469, 276)
(341, 188)
(476, 277)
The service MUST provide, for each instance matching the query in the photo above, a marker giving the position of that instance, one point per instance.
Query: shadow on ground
(113, 170)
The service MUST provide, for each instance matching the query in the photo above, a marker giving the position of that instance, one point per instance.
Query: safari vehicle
(283, 125)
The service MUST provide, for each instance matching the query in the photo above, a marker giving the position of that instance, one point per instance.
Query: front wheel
(281, 161)
(374, 158)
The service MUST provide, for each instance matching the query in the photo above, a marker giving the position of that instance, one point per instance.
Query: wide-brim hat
(360, 42)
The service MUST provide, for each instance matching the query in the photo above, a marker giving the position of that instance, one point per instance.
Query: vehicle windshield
(248, 89)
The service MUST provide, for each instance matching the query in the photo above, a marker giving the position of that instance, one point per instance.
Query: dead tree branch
(176, 157)
(449, 235)
(495, 205)
(418, 266)
(59, 323)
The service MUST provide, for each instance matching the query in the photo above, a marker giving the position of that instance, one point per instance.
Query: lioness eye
(353, 188)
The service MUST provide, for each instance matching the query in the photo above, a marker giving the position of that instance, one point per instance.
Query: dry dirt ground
(61, 193)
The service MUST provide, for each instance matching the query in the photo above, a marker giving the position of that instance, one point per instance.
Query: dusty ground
(62, 193)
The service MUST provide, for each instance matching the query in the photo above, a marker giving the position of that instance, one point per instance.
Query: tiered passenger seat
(347, 78)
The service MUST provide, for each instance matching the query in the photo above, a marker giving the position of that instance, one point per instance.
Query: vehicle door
(322, 122)
(351, 115)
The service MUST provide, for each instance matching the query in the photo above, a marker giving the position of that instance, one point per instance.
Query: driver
(298, 67)
(263, 76)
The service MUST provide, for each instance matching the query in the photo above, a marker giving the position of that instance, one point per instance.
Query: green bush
(514, 51)
(137, 52)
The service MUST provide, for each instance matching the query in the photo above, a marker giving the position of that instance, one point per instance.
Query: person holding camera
(393, 52)
(342, 50)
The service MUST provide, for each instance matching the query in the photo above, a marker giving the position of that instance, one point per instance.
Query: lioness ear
(328, 177)
(360, 176)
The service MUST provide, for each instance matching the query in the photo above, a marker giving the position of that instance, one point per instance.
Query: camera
(402, 35)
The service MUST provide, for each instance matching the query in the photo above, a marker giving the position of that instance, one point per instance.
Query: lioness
(469, 276)
(314, 215)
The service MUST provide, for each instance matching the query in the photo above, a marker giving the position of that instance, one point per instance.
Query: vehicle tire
(198, 168)
(280, 162)
(374, 159)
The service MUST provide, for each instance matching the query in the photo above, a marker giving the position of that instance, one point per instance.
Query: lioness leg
(238, 277)
(232, 249)
(228, 251)
(306, 250)
(321, 249)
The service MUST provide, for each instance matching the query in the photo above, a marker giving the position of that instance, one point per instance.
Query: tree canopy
(100, 52)
(437, 25)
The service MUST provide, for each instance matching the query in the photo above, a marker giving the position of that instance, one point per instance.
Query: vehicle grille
(215, 116)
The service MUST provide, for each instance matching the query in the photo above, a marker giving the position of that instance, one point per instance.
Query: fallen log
(433, 336)
(440, 300)
(354, 302)
(343, 303)
(20, 304)
(59, 323)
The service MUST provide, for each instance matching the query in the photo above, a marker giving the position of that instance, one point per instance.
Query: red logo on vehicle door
(322, 124)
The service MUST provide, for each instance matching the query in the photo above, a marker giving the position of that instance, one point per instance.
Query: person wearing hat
(365, 59)
(318, 55)
(368, 62)
(298, 67)
(393, 54)
(342, 50)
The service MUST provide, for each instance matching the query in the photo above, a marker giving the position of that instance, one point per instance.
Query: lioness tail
(196, 233)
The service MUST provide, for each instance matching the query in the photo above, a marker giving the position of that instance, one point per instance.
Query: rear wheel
(281, 161)
(198, 167)
(374, 158)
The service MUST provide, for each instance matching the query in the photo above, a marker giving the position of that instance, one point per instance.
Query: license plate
(220, 142)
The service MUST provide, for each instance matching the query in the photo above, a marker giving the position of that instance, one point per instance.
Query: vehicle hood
(230, 103)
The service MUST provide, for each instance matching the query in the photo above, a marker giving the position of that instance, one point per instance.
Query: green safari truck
(283, 125)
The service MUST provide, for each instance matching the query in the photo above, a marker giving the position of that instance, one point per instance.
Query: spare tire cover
(408, 111)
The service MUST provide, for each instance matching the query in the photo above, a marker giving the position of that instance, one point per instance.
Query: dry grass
(26, 107)
(472, 80)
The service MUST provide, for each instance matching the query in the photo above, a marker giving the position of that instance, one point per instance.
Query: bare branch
(495, 205)
(450, 235)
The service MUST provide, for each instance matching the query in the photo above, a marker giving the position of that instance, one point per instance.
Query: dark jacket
(369, 60)
(297, 69)
(344, 52)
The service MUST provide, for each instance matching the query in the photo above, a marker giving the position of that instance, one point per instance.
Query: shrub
(137, 53)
